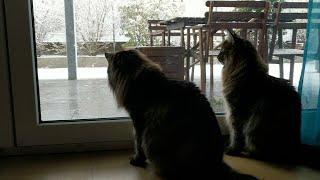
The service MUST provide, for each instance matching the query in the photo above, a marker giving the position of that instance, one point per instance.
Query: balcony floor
(77, 99)
(90, 97)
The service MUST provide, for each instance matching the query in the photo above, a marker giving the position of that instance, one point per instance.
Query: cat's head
(236, 52)
(123, 62)
(123, 67)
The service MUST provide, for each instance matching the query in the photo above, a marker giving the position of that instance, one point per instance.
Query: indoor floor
(114, 165)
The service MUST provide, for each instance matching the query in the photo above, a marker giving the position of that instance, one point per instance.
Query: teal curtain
(309, 85)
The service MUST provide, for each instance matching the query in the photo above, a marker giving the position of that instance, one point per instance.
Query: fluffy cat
(175, 127)
(263, 112)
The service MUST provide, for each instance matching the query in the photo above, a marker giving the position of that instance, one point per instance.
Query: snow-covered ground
(101, 72)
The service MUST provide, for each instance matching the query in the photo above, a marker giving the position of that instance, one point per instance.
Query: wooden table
(183, 24)
(194, 51)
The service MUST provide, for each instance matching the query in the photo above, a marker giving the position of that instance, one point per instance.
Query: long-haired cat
(263, 112)
(175, 127)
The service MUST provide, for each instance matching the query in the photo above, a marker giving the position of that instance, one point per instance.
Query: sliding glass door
(59, 75)
(58, 71)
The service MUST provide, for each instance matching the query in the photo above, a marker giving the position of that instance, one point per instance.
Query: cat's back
(186, 92)
(277, 87)
(183, 87)
(280, 100)
(187, 102)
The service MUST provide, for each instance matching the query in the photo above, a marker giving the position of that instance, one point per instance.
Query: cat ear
(108, 56)
(232, 36)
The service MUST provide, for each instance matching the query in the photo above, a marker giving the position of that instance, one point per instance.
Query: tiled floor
(110, 165)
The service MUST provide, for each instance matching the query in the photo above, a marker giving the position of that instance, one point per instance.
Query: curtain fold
(309, 85)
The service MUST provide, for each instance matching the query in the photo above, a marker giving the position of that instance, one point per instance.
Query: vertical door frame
(6, 120)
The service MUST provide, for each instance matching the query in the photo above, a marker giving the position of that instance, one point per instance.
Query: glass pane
(88, 96)
(72, 70)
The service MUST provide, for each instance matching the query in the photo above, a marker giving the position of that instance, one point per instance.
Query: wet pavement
(77, 99)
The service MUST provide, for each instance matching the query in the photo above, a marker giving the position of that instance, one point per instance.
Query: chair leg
(193, 58)
(211, 67)
(192, 69)
(281, 67)
(151, 40)
(187, 73)
(260, 46)
(169, 38)
(291, 70)
(163, 38)
(202, 62)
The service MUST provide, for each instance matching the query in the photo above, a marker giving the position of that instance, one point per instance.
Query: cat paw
(233, 151)
(138, 162)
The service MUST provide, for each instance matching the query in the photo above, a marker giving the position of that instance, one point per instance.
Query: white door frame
(29, 130)
(6, 127)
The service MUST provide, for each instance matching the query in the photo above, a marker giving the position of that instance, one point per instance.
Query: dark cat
(263, 112)
(175, 127)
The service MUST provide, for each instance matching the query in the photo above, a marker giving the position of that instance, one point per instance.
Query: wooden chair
(169, 58)
(222, 15)
(155, 30)
(253, 17)
(184, 26)
(295, 18)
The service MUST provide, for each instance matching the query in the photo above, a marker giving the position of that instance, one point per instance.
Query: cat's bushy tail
(230, 174)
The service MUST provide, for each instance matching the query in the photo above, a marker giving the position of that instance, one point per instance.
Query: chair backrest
(156, 29)
(290, 15)
(257, 10)
(171, 59)
(241, 15)
(155, 25)
(287, 15)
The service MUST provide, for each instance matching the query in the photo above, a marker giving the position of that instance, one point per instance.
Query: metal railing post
(71, 43)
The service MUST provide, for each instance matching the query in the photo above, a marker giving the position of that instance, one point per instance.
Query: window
(59, 73)
(72, 76)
